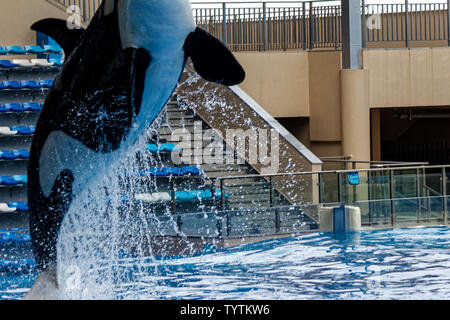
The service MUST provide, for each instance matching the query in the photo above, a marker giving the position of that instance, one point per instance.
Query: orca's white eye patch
(109, 7)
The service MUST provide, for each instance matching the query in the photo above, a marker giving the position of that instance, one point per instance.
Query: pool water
(387, 264)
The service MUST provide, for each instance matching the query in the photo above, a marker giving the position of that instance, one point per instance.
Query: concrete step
(15, 142)
(35, 73)
(13, 167)
(22, 95)
(13, 193)
(8, 119)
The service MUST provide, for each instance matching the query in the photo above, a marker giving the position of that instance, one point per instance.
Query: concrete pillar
(351, 34)
(355, 114)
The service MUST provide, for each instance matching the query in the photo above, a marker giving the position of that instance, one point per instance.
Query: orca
(118, 75)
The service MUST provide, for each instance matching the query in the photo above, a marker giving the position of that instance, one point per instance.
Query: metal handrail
(270, 25)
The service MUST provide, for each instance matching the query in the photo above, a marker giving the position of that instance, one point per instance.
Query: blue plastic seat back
(4, 84)
(20, 206)
(14, 107)
(31, 84)
(8, 181)
(2, 51)
(23, 131)
(56, 62)
(21, 179)
(169, 147)
(15, 50)
(9, 155)
(51, 48)
(15, 85)
(172, 171)
(7, 64)
(152, 148)
(45, 83)
(32, 106)
(34, 49)
(190, 171)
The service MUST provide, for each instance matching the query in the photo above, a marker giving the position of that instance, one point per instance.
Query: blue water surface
(387, 264)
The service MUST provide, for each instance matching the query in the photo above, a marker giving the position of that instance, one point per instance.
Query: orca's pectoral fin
(58, 30)
(212, 59)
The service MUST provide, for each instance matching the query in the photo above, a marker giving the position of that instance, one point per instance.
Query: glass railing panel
(406, 183)
(375, 212)
(432, 182)
(329, 188)
(379, 185)
(406, 211)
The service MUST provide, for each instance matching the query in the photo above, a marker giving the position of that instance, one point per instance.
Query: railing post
(391, 196)
(320, 179)
(85, 17)
(265, 35)
(448, 22)
(172, 192)
(222, 195)
(224, 26)
(340, 194)
(444, 197)
(271, 192)
(311, 26)
(407, 23)
(363, 22)
(305, 34)
(213, 192)
(419, 200)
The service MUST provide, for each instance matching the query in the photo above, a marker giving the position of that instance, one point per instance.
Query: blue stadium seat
(15, 50)
(20, 206)
(23, 130)
(8, 155)
(8, 181)
(14, 154)
(56, 62)
(7, 64)
(34, 49)
(191, 171)
(49, 48)
(30, 84)
(2, 51)
(14, 107)
(152, 148)
(32, 106)
(45, 83)
(11, 85)
(172, 171)
(164, 147)
(21, 179)
(197, 195)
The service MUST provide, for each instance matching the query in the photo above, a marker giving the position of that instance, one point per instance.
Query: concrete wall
(408, 77)
(17, 16)
(278, 81)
